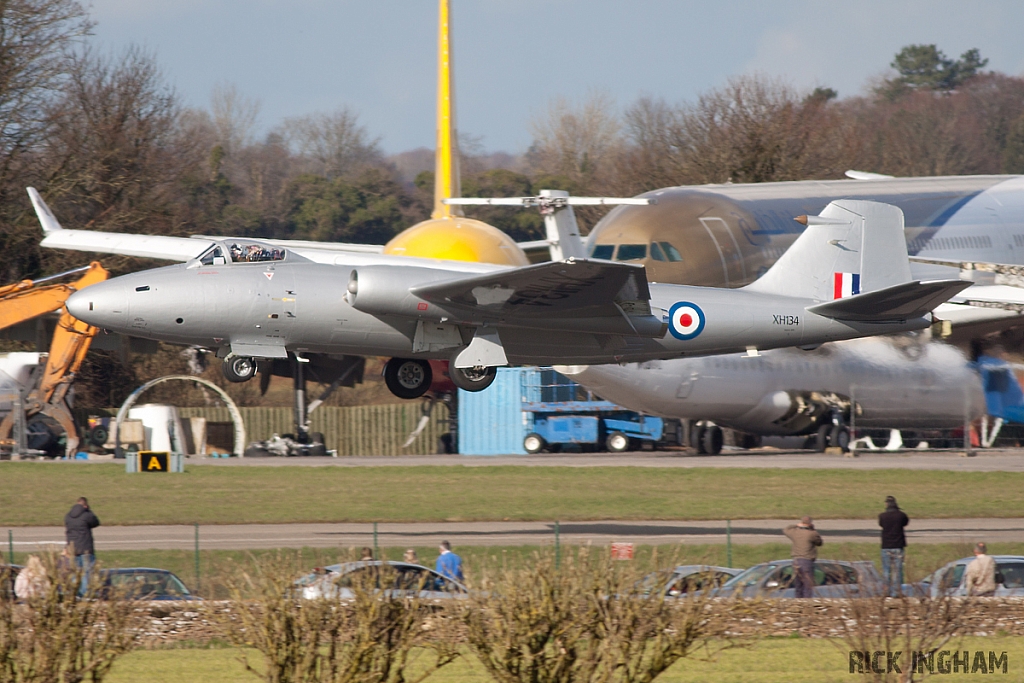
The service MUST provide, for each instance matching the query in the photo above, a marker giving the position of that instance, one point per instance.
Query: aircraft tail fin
(852, 247)
(446, 155)
(46, 218)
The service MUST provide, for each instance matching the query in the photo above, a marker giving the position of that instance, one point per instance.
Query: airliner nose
(102, 305)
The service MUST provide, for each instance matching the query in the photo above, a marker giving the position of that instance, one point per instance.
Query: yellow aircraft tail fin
(446, 165)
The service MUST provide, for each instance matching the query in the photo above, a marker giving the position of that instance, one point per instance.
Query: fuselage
(900, 382)
(278, 303)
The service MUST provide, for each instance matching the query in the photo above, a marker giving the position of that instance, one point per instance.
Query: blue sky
(513, 56)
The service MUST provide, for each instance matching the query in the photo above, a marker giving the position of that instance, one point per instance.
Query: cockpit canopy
(241, 251)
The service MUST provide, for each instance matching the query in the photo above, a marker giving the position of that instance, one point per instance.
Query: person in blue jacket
(449, 565)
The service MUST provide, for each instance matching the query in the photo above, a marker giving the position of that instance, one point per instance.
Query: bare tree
(335, 142)
(576, 140)
(233, 116)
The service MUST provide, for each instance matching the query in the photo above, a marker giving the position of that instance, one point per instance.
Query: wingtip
(46, 218)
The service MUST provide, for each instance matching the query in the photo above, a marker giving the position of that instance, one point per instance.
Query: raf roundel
(685, 320)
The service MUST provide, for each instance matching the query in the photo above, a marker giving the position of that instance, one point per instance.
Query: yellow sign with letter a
(154, 461)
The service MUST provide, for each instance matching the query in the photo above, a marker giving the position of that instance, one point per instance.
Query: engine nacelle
(384, 290)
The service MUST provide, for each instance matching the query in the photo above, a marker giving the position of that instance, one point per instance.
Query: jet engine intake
(384, 290)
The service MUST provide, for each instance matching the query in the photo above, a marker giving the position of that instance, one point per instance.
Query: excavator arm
(71, 340)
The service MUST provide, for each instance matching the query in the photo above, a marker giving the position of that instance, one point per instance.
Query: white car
(950, 578)
(402, 578)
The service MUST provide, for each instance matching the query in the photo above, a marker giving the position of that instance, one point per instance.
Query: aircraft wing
(615, 293)
(162, 246)
(905, 300)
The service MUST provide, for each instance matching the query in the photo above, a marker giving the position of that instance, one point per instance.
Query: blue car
(143, 583)
(832, 579)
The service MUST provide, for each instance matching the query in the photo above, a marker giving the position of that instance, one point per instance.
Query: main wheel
(239, 368)
(534, 443)
(840, 438)
(821, 438)
(617, 442)
(712, 440)
(697, 438)
(408, 378)
(472, 379)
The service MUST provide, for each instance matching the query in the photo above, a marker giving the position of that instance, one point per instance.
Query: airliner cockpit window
(671, 252)
(656, 253)
(214, 256)
(254, 252)
(631, 252)
(603, 251)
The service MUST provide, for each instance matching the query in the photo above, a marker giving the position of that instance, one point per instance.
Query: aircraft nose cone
(103, 305)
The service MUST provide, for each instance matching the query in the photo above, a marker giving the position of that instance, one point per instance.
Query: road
(984, 461)
(254, 536)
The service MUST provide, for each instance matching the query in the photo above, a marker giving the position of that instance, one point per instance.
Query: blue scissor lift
(566, 413)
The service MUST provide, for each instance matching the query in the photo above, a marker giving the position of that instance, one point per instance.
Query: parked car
(687, 578)
(8, 573)
(832, 579)
(338, 580)
(950, 578)
(143, 583)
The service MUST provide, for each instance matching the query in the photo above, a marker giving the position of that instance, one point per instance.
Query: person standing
(806, 541)
(980, 576)
(894, 543)
(32, 581)
(78, 526)
(449, 565)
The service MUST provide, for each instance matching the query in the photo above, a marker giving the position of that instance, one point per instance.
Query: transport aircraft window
(656, 252)
(631, 252)
(671, 252)
(213, 257)
(253, 252)
(603, 251)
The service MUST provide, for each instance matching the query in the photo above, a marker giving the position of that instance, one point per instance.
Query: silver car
(396, 578)
(687, 578)
(832, 579)
(950, 578)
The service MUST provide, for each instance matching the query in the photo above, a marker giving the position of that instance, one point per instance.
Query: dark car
(143, 583)
(338, 580)
(950, 578)
(687, 578)
(832, 579)
(8, 573)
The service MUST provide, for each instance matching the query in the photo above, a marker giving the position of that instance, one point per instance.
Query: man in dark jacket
(894, 542)
(78, 526)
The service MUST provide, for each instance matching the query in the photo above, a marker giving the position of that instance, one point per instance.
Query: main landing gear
(239, 368)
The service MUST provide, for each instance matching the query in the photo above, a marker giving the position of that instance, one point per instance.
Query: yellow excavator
(47, 393)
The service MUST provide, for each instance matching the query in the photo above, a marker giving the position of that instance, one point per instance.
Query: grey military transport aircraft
(846, 276)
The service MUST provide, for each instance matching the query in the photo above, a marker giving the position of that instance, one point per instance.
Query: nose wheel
(408, 378)
(239, 368)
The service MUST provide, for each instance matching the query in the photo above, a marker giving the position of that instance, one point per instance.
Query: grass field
(772, 660)
(40, 493)
(217, 567)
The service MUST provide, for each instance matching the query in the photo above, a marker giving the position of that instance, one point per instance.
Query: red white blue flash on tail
(685, 320)
(846, 284)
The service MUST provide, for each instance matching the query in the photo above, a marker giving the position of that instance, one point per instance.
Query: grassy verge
(217, 567)
(772, 660)
(40, 493)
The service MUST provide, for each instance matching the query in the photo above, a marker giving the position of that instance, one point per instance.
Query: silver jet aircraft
(901, 382)
(846, 276)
